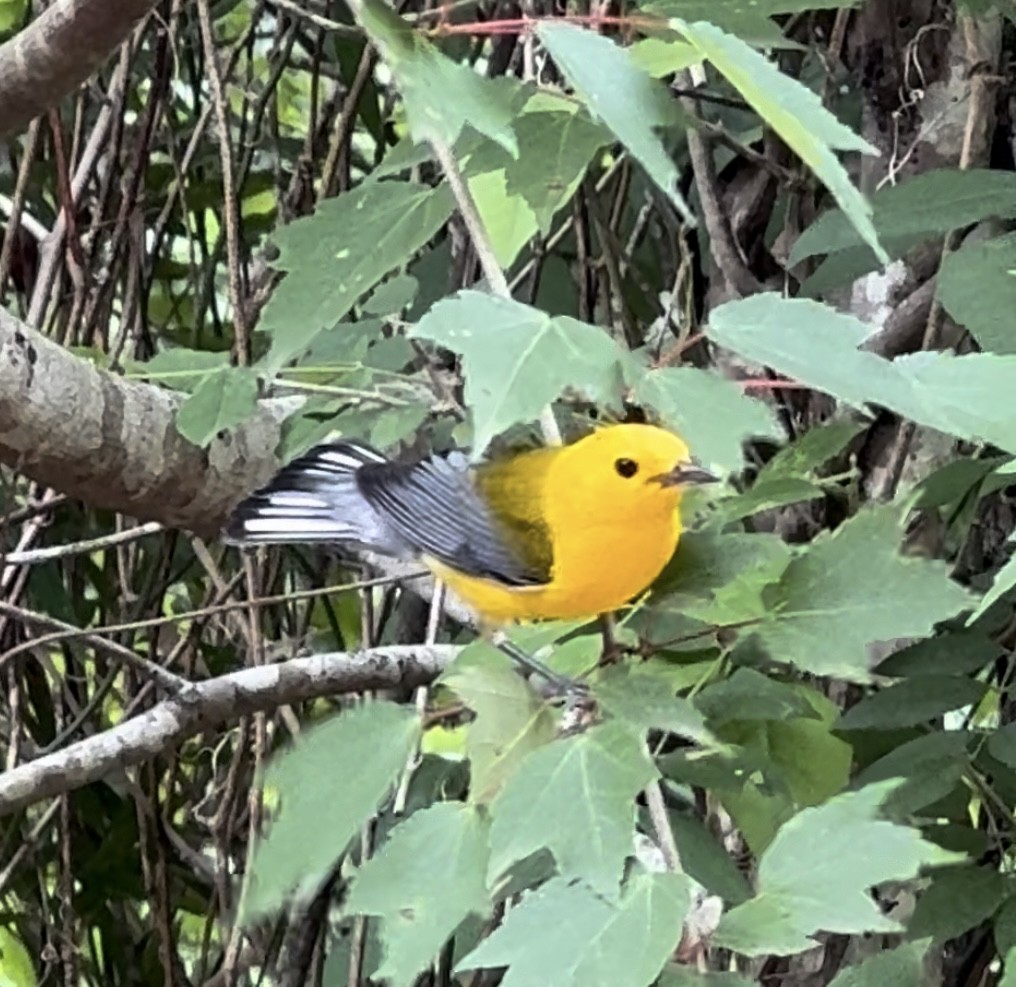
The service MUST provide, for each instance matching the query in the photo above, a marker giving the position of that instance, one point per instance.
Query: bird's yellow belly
(593, 574)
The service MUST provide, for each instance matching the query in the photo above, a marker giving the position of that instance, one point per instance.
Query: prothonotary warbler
(562, 532)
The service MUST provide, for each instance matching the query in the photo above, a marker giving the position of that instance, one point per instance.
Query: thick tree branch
(112, 443)
(57, 52)
(216, 701)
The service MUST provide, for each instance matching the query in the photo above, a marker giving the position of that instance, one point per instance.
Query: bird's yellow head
(629, 470)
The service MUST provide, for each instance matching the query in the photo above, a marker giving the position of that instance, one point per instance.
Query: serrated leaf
(818, 346)
(832, 600)
(750, 695)
(1009, 975)
(932, 765)
(749, 21)
(326, 798)
(644, 701)
(659, 56)
(1002, 744)
(511, 719)
(620, 94)
(1004, 926)
(227, 397)
(677, 975)
(706, 860)
(16, 968)
(576, 798)
(510, 223)
(518, 359)
(900, 967)
(441, 96)
(712, 413)
(977, 286)
(423, 883)
(957, 900)
(813, 449)
(816, 873)
(911, 702)
(765, 495)
(795, 113)
(556, 146)
(1002, 583)
(720, 579)
(343, 250)
(563, 935)
(933, 202)
(952, 653)
(181, 368)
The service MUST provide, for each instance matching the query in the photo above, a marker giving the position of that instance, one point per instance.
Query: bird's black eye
(626, 467)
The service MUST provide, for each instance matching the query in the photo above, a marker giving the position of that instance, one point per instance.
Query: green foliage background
(817, 697)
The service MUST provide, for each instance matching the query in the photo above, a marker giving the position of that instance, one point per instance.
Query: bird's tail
(314, 498)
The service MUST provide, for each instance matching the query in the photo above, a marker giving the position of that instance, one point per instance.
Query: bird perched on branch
(557, 533)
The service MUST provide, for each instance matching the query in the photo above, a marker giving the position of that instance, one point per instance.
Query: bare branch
(57, 52)
(216, 701)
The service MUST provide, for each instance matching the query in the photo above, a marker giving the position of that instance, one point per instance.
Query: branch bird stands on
(558, 533)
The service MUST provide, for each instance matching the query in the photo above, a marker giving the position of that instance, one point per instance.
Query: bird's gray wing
(433, 505)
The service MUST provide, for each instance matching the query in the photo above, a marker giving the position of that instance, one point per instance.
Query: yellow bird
(562, 532)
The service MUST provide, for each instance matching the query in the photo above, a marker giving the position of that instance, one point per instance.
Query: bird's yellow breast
(607, 522)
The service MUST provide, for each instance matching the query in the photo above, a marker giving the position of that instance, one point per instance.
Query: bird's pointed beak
(686, 475)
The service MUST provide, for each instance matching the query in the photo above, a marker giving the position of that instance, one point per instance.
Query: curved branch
(57, 52)
(215, 701)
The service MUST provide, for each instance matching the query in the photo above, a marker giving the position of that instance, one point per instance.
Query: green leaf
(750, 695)
(659, 57)
(1002, 744)
(818, 346)
(338, 254)
(930, 203)
(832, 600)
(814, 448)
(563, 935)
(953, 653)
(509, 222)
(441, 96)
(16, 969)
(1004, 930)
(712, 413)
(620, 94)
(1009, 976)
(518, 359)
(511, 719)
(677, 975)
(181, 368)
(900, 967)
(816, 874)
(227, 397)
(644, 701)
(765, 495)
(556, 143)
(1001, 584)
(425, 881)
(958, 899)
(977, 286)
(12, 15)
(932, 766)
(748, 19)
(911, 702)
(720, 579)
(795, 113)
(325, 798)
(705, 859)
(576, 798)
